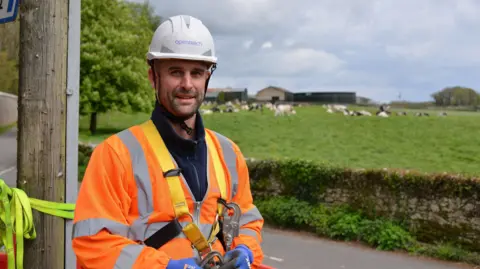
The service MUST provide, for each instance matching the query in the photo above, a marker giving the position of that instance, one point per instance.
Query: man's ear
(150, 77)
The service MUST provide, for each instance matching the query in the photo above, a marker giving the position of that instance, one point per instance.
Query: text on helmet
(188, 42)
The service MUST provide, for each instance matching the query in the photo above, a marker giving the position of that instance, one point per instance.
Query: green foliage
(84, 153)
(113, 75)
(308, 180)
(367, 191)
(344, 223)
(146, 11)
(338, 222)
(456, 96)
(446, 251)
(5, 128)
(385, 234)
(221, 97)
(9, 74)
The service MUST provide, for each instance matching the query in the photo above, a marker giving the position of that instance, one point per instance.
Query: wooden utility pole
(41, 122)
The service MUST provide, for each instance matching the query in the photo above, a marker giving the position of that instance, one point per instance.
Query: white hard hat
(182, 37)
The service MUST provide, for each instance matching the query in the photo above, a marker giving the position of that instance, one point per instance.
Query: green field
(428, 144)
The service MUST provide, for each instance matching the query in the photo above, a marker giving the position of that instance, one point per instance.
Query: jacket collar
(172, 140)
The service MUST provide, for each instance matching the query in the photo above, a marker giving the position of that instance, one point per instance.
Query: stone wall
(435, 207)
(433, 218)
(8, 108)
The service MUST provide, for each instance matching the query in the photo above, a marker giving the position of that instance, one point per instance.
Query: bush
(344, 223)
(307, 180)
(84, 153)
(338, 222)
(406, 197)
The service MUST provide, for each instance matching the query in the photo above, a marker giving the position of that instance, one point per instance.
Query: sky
(380, 49)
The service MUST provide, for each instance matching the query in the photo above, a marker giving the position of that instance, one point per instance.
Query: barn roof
(228, 89)
(276, 88)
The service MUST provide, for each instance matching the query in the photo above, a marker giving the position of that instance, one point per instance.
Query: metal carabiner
(208, 262)
(231, 223)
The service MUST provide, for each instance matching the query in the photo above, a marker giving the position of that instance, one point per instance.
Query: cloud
(267, 45)
(378, 48)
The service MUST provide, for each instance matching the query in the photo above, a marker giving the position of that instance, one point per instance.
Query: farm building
(274, 94)
(227, 94)
(326, 97)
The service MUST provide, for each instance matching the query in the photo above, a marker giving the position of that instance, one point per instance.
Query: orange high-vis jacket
(124, 199)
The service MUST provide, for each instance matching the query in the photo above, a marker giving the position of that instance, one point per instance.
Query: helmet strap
(214, 66)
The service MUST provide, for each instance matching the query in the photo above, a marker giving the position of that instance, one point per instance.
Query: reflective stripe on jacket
(124, 199)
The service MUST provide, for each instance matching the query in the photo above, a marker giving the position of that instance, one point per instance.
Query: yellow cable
(16, 217)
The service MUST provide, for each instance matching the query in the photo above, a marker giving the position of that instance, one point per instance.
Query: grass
(5, 128)
(109, 124)
(428, 144)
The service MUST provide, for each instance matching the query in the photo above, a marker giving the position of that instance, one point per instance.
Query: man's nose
(187, 81)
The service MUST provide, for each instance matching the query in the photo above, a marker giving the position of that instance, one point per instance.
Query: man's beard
(178, 109)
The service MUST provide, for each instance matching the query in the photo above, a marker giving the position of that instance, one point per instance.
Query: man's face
(180, 85)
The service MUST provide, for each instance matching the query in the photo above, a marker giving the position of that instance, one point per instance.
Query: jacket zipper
(198, 204)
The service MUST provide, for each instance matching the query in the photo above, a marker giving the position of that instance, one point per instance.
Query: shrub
(406, 197)
(338, 222)
(344, 223)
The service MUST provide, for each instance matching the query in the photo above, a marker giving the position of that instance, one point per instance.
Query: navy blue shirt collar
(172, 140)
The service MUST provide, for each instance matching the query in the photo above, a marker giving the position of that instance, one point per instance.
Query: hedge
(433, 207)
(341, 222)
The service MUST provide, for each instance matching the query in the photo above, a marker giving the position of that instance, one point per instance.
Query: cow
(281, 110)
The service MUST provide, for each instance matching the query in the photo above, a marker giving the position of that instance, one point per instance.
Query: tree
(9, 74)
(113, 75)
(456, 96)
(9, 48)
(221, 97)
(146, 11)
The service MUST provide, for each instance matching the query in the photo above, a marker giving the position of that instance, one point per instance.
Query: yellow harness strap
(191, 230)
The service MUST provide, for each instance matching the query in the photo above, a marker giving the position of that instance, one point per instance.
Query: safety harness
(171, 174)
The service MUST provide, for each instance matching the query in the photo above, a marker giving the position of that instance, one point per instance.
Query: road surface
(285, 250)
(293, 250)
(8, 157)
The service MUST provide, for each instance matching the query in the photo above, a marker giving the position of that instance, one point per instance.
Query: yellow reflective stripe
(165, 160)
(219, 173)
(221, 181)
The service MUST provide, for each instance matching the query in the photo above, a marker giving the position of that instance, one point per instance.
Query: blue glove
(243, 256)
(189, 263)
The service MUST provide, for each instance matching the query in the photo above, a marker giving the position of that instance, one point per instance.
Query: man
(145, 184)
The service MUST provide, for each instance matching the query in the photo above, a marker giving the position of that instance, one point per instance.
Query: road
(8, 157)
(286, 250)
(293, 250)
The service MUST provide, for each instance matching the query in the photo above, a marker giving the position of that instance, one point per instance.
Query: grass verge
(5, 128)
